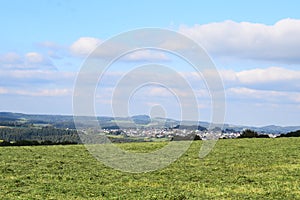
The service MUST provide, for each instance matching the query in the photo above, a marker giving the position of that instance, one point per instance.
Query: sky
(255, 46)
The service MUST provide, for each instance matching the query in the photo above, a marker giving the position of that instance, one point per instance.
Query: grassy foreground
(235, 169)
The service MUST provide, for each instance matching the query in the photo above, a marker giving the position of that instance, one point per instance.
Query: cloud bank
(33, 75)
(280, 41)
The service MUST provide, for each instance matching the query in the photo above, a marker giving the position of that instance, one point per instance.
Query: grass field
(235, 169)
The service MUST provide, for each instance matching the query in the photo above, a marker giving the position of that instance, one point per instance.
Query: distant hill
(141, 121)
(191, 127)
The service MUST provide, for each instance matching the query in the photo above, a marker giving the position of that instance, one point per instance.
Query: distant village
(169, 133)
(17, 129)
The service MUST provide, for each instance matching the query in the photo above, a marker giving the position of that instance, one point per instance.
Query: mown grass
(235, 169)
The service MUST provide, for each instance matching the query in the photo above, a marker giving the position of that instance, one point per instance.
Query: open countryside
(235, 169)
(149, 100)
(42, 158)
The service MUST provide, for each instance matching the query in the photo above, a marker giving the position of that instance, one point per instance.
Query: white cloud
(266, 96)
(228, 75)
(175, 46)
(271, 74)
(53, 50)
(247, 92)
(280, 41)
(146, 55)
(44, 92)
(40, 77)
(271, 78)
(49, 45)
(29, 61)
(267, 79)
(35, 58)
(10, 58)
(40, 92)
(3, 90)
(158, 92)
(87, 46)
(84, 45)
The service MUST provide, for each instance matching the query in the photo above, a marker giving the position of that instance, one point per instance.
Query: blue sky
(255, 46)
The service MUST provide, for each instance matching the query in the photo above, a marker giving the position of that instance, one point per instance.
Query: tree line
(36, 136)
(26, 136)
(253, 134)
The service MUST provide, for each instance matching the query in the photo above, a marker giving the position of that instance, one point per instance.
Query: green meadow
(235, 169)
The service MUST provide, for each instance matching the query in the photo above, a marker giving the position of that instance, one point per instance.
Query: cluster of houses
(170, 133)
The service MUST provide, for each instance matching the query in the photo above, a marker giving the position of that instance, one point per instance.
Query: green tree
(248, 134)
